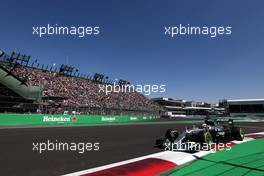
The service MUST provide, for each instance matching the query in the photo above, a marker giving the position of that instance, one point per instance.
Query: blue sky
(132, 44)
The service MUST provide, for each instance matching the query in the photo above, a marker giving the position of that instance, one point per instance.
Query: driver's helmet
(204, 125)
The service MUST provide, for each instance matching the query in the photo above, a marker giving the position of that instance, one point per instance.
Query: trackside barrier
(47, 119)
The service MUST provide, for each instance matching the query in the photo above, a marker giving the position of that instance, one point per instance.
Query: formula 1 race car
(211, 131)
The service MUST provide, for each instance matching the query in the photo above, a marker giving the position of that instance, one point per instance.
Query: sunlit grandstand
(30, 87)
(183, 108)
(245, 107)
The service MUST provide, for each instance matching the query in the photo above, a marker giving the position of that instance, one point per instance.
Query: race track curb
(153, 164)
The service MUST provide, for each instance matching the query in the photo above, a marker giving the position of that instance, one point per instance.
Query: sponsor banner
(46, 119)
(108, 119)
(133, 118)
(56, 119)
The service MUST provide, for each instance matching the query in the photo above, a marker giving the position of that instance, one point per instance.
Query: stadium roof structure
(246, 101)
(197, 108)
(167, 99)
(173, 107)
(1, 53)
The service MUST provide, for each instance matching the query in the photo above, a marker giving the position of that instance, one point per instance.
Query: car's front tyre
(238, 133)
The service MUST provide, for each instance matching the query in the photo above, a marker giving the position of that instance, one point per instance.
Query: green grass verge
(245, 159)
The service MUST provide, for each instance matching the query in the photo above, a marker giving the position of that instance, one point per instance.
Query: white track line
(116, 164)
(176, 157)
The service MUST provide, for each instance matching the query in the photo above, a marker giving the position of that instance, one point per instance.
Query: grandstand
(183, 108)
(31, 87)
(173, 108)
(245, 107)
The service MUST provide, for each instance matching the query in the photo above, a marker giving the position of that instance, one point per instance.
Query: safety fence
(60, 119)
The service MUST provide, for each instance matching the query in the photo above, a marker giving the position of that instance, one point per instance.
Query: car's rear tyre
(238, 133)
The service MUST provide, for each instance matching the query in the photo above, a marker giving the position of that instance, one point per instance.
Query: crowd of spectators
(73, 91)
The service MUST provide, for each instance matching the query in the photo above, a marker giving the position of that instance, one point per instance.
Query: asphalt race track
(117, 143)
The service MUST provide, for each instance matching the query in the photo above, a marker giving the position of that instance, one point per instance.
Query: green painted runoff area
(245, 159)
